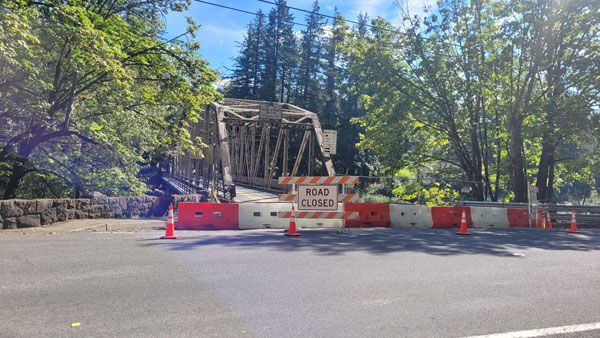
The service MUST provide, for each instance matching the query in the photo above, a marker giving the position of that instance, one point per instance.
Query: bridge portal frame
(238, 135)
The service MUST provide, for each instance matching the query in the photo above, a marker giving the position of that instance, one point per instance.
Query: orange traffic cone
(463, 225)
(292, 229)
(170, 231)
(543, 220)
(548, 220)
(573, 228)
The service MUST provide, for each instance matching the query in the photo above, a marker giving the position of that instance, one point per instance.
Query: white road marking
(549, 331)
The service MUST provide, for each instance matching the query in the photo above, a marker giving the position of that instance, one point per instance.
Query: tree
(281, 56)
(246, 80)
(88, 81)
(310, 62)
(569, 92)
(493, 90)
(332, 70)
(268, 88)
(287, 52)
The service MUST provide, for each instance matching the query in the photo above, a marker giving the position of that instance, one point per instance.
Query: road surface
(244, 194)
(362, 283)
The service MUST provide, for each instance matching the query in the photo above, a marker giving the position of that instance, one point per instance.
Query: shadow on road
(383, 241)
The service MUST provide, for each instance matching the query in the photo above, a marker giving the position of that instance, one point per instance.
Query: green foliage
(307, 69)
(473, 86)
(493, 95)
(90, 93)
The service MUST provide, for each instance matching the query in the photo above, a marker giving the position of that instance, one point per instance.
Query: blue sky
(223, 28)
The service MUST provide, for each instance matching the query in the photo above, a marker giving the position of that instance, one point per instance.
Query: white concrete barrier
(264, 216)
(489, 217)
(410, 216)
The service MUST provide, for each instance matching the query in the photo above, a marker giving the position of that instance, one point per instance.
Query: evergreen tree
(287, 58)
(310, 63)
(260, 48)
(268, 87)
(332, 71)
(246, 75)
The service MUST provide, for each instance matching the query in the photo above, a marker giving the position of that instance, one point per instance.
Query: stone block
(71, 204)
(59, 201)
(49, 216)
(43, 205)
(29, 207)
(99, 199)
(107, 214)
(118, 213)
(123, 203)
(10, 223)
(82, 203)
(61, 213)
(97, 208)
(29, 221)
(10, 209)
(81, 214)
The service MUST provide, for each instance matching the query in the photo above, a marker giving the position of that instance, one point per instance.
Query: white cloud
(415, 7)
(222, 33)
(372, 7)
(391, 9)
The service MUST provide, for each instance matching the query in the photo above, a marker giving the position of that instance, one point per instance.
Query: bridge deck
(244, 194)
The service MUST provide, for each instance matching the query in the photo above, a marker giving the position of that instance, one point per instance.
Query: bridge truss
(252, 143)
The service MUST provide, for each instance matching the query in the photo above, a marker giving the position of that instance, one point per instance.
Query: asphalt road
(362, 283)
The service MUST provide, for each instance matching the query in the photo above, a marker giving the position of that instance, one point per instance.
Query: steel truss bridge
(249, 145)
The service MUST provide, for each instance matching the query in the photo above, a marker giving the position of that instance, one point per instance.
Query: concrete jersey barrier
(264, 216)
(406, 216)
(487, 217)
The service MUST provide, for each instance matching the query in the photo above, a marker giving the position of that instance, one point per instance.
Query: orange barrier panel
(207, 216)
(449, 217)
(369, 215)
(517, 217)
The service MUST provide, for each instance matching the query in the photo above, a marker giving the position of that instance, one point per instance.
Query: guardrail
(183, 184)
(191, 186)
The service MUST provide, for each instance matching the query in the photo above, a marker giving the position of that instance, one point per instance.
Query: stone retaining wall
(35, 213)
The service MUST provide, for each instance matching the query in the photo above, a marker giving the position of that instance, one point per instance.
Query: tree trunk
(19, 170)
(476, 162)
(518, 182)
(545, 174)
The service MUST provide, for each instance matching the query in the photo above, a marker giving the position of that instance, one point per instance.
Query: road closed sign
(317, 197)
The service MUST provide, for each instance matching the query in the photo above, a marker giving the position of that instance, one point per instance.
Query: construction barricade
(207, 216)
(369, 215)
(518, 217)
(449, 217)
(229, 216)
(489, 217)
(410, 216)
(264, 216)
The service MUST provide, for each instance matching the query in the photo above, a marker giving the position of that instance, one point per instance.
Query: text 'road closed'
(320, 197)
